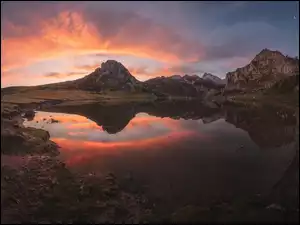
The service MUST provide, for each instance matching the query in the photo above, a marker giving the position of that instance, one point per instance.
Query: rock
(275, 207)
(29, 114)
(37, 133)
(176, 77)
(53, 120)
(9, 111)
(263, 71)
(191, 213)
(16, 125)
(214, 79)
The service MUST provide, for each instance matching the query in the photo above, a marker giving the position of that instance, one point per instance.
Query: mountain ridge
(263, 71)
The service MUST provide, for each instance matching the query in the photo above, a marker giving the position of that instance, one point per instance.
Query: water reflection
(267, 127)
(181, 153)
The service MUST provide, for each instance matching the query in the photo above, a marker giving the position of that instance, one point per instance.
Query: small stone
(53, 121)
(275, 206)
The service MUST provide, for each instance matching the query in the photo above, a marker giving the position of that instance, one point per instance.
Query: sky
(47, 42)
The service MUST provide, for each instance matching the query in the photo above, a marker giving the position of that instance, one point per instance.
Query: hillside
(263, 71)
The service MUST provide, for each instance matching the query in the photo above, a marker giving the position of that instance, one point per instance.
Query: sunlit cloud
(63, 75)
(73, 32)
(86, 67)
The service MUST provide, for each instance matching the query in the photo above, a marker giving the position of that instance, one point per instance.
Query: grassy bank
(74, 97)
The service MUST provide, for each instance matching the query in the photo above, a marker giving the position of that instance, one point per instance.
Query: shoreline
(50, 181)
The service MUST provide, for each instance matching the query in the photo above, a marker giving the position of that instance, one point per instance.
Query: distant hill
(214, 79)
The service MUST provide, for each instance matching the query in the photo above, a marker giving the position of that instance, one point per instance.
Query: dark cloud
(185, 69)
(129, 28)
(23, 18)
(243, 40)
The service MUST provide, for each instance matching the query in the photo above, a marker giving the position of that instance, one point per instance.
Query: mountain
(191, 78)
(176, 77)
(174, 86)
(213, 78)
(187, 85)
(111, 75)
(263, 71)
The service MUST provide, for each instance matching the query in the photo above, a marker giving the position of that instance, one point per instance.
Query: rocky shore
(37, 187)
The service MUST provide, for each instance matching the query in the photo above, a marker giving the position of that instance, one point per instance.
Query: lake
(178, 154)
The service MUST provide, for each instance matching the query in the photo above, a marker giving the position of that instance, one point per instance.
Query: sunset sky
(46, 42)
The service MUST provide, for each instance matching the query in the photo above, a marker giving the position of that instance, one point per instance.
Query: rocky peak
(191, 78)
(266, 68)
(113, 68)
(176, 77)
(112, 75)
(212, 78)
(112, 65)
(267, 54)
(194, 77)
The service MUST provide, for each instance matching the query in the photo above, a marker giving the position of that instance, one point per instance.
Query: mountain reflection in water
(179, 153)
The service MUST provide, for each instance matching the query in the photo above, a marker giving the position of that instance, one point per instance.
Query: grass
(37, 96)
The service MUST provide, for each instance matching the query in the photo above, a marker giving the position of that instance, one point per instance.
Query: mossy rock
(36, 133)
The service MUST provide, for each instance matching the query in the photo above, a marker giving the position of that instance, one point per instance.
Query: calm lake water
(178, 154)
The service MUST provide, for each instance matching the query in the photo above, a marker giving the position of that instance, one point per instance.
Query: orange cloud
(71, 33)
(70, 145)
(89, 68)
(63, 75)
(58, 37)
